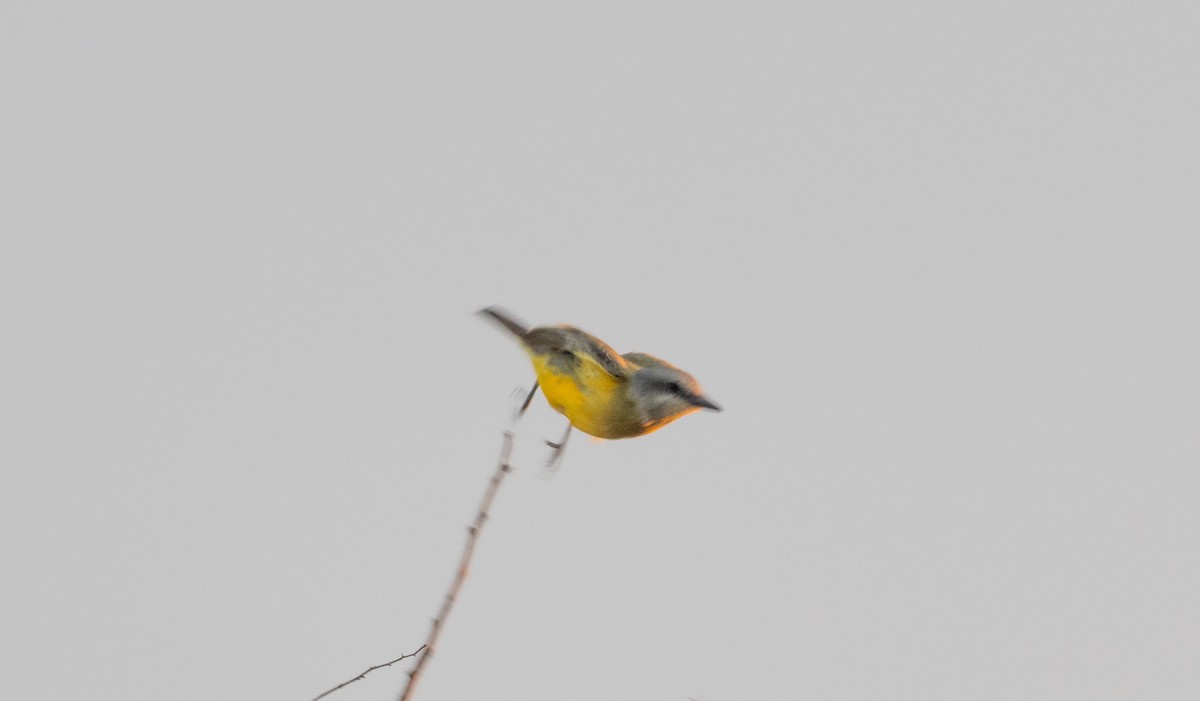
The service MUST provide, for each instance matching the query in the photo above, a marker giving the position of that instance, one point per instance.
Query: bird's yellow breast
(590, 398)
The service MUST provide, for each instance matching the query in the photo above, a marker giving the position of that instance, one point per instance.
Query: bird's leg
(529, 398)
(557, 448)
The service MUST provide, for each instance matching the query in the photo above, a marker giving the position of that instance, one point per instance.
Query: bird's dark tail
(506, 320)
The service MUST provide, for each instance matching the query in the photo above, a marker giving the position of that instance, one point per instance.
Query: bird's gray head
(664, 393)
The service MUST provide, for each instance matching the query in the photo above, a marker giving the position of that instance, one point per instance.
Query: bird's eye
(674, 387)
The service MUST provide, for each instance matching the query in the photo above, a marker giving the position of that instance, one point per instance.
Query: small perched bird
(600, 392)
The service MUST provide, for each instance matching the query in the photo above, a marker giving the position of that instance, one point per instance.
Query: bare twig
(368, 671)
(525, 404)
(464, 562)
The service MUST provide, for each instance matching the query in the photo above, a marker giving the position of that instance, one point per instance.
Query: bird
(599, 391)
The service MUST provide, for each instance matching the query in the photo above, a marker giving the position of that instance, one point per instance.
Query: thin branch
(464, 563)
(368, 671)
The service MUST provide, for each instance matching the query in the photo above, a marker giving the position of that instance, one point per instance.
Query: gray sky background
(937, 260)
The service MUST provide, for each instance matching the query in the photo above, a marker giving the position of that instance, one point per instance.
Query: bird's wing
(646, 360)
(566, 346)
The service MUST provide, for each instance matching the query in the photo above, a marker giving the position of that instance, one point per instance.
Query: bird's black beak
(703, 401)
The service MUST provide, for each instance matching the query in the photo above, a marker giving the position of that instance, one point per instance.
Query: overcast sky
(938, 261)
